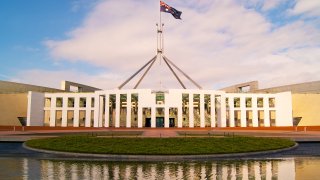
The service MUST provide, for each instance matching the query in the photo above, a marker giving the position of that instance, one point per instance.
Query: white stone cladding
(172, 108)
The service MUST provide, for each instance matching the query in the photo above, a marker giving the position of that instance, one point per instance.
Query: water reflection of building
(264, 169)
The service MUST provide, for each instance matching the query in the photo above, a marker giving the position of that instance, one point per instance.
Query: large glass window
(236, 102)
(92, 102)
(237, 118)
(70, 102)
(123, 110)
(92, 118)
(248, 102)
(173, 117)
(70, 117)
(59, 102)
(112, 109)
(261, 118)
(185, 110)
(160, 98)
(146, 117)
(58, 118)
(272, 115)
(196, 110)
(83, 102)
(260, 102)
(249, 118)
(134, 110)
(272, 102)
(207, 109)
(82, 118)
(47, 102)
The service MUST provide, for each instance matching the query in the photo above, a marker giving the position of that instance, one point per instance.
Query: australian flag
(168, 9)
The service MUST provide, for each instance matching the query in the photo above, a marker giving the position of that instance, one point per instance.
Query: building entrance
(171, 122)
(160, 122)
(148, 122)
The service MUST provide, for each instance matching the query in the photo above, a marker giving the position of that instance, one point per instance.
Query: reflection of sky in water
(290, 168)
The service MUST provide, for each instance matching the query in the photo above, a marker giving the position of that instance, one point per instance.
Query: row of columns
(76, 111)
(99, 114)
(254, 109)
(99, 105)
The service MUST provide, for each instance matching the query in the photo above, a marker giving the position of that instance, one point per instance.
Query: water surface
(288, 168)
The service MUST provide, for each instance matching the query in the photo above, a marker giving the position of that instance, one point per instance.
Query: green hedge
(159, 146)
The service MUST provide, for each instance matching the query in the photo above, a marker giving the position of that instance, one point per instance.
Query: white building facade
(139, 108)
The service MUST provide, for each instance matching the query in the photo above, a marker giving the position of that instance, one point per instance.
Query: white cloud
(218, 43)
(306, 7)
(53, 78)
(271, 4)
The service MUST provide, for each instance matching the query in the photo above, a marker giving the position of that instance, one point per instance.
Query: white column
(233, 172)
(243, 112)
(64, 111)
(73, 171)
(202, 118)
(257, 171)
(286, 169)
(231, 111)
(98, 106)
(180, 172)
(224, 174)
(245, 174)
(166, 117)
(76, 112)
(254, 112)
(128, 118)
(214, 170)
(53, 111)
(127, 172)
(266, 111)
(268, 170)
(88, 112)
(117, 123)
(212, 110)
(97, 110)
(139, 171)
(106, 115)
(191, 115)
(222, 119)
(203, 172)
(153, 117)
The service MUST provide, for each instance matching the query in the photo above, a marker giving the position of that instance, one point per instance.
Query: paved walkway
(159, 133)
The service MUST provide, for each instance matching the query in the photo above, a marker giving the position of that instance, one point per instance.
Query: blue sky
(218, 43)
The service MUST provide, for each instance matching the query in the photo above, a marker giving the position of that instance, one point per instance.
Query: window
(47, 102)
(59, 102)
(83, 102)
(159, 98)
(248, 102)
(260, 102)
(70, 102)
(92, 102)
(236, 102)
(271, 102)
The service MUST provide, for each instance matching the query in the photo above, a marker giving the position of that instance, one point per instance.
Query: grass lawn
(159, 146)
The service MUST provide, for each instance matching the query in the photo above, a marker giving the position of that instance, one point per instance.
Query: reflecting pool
(34, 168)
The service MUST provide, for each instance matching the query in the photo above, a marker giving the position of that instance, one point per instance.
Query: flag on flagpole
(168, 9)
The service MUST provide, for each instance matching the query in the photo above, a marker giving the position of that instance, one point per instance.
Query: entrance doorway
(160, 122)
(171, 122)
(148, 122)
